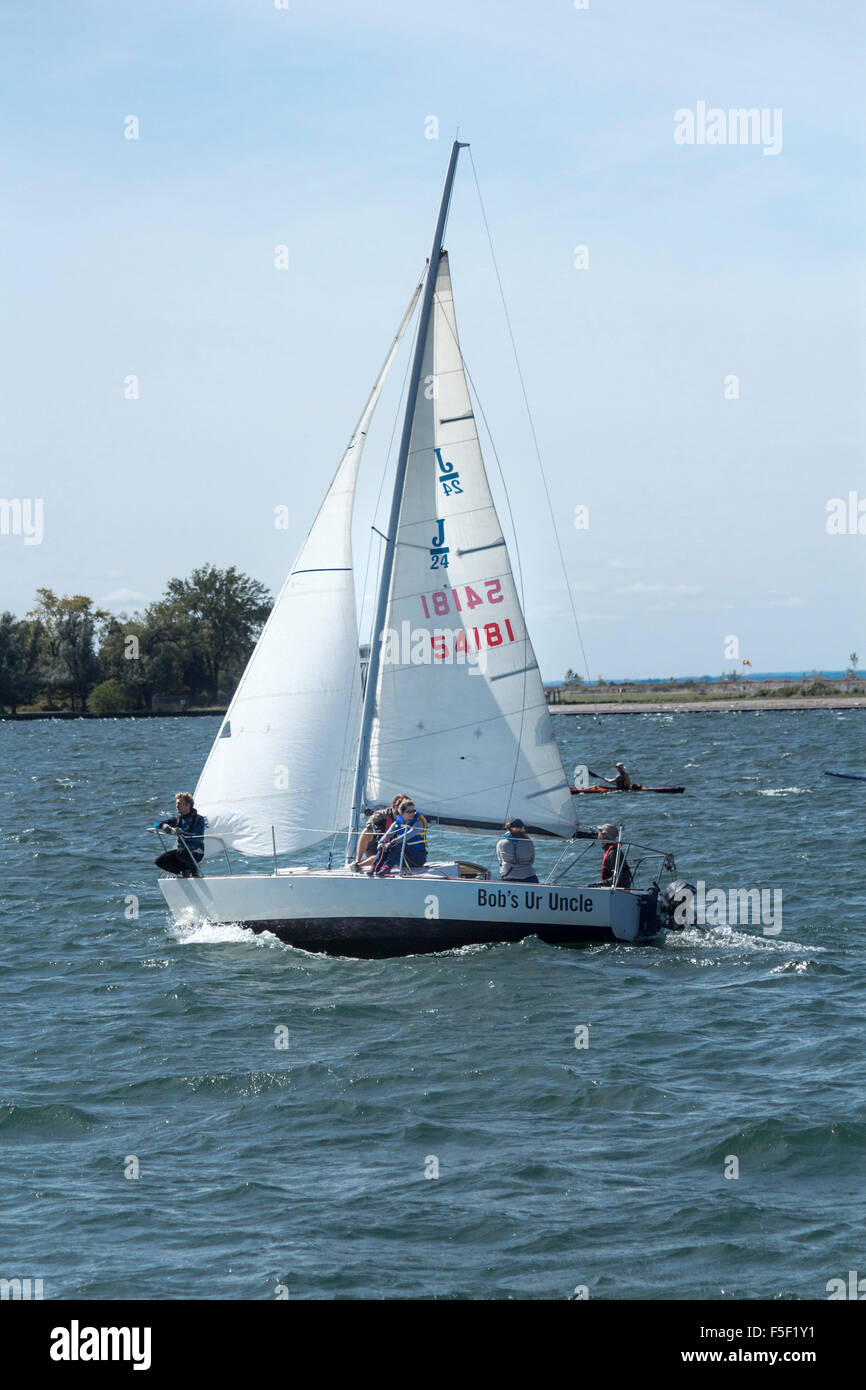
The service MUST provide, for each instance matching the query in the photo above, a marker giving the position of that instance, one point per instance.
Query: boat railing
(556, 875)
(624, 848)
(179, 837)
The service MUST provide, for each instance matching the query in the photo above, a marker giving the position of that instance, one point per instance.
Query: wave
(49, 1123)
(786, 791)
(782, 1140)
(207, 933)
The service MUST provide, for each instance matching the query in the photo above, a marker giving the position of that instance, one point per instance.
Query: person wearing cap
(516, 853)
(621, 781)
(608, 834)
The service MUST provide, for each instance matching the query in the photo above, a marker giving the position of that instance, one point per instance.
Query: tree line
(189, 647)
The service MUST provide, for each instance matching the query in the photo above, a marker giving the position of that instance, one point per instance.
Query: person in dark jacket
(516, 854)
(371, 836)
(188, 826)
(621, 781)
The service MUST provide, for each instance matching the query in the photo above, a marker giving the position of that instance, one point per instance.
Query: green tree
(111, 697)
(19, 661)
(215, 617)
(68, 629)
(852, 664)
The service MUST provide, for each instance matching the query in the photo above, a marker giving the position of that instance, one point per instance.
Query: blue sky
(306, 127)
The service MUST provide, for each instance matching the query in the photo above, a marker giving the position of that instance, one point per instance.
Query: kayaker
(608, 834)
(516, 853)
(371, 836)
(621, 781)
(188, 825)
(404, 843)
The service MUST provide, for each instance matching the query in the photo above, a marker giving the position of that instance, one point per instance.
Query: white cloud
(641, 588)
(120, 596)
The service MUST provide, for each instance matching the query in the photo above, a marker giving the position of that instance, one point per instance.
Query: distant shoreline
(28, 716)
(743, 705)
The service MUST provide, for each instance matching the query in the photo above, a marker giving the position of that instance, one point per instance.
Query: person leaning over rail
(189, 828)
(516, 853)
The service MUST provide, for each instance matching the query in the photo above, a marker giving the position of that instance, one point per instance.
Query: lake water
(132, 1045)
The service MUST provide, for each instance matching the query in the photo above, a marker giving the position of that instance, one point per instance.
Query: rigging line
(520, 590)
(529, 417)
(373, 529)
(347, 741)
(397, 415)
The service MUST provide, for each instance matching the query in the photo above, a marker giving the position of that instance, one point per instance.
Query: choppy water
(558, 1167)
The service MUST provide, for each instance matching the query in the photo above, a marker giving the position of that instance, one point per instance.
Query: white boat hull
(351, 914)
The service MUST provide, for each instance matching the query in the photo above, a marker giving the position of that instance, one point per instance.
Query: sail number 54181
(472, 639)
(463, 596)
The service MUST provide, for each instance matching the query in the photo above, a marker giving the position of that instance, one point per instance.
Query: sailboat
(452, 711)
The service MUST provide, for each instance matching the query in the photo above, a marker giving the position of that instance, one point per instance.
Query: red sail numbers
(461, 598)
(470, 639)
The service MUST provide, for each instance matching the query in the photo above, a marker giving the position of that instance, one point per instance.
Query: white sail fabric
(279, 773)
(461, 720)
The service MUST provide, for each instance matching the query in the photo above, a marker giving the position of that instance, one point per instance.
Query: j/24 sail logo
(448, 476)
(438, 548)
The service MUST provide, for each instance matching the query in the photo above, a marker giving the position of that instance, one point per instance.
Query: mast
(369, 709)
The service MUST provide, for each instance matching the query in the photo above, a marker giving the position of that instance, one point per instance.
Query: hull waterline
(373, 918)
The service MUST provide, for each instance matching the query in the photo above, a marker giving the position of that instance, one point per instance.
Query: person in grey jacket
(516, 854)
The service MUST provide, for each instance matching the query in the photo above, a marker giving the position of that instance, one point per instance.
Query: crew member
(609, 836)
(404, 844)
(371, 836)
(516, 853)
(188, 826)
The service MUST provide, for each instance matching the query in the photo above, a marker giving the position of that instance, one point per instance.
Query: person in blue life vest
(516, 853)
(404, 844)
(188, 826)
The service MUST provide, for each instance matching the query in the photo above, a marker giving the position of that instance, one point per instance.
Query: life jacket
(608, 864)
(416, 835)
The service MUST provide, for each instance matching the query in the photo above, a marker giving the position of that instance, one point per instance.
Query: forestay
(279, 773)
(461, 720)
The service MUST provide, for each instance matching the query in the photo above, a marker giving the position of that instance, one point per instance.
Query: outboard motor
(676, 905)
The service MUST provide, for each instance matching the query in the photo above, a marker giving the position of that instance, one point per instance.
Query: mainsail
(278, 777)
(461, 722)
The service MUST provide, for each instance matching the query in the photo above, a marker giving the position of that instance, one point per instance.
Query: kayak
(848, 776)
(635, 787)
